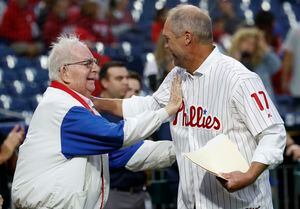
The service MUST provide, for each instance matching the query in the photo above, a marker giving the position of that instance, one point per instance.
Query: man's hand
(1, 201)
(175, 96)
(294, 151)
(13, 140)
(237, 180)
(15, 137)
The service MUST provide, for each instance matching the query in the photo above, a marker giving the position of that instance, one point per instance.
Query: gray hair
(187, 17)
(61, 53)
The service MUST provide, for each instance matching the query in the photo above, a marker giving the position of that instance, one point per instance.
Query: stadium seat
(31, 88)
(3, 89)
(5, 101)
(20, 104)
(8, 76)
(34, 101)
(28, 74)
(6, 50)
(22, 63)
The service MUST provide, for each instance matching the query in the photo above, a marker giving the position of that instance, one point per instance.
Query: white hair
(61, 53)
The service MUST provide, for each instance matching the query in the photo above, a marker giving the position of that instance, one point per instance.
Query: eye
(167, 39)
(88, 63)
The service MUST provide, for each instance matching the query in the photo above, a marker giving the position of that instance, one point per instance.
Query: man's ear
(64, 75)
(104, 83)
(187, 38)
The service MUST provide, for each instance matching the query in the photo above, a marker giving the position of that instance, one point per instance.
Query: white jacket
(59, 164)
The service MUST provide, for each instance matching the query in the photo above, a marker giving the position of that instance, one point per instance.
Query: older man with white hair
(63, 162)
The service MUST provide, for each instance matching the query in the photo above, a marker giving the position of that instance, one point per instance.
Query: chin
(91, 90)
(91, 87)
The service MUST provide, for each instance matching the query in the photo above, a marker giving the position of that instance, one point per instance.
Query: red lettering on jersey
(197, 118)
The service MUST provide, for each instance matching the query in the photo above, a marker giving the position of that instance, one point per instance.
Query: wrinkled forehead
(80, 52)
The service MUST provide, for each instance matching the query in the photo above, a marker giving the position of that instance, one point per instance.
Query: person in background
(19, 28)
(266, 22)
(2, 9)
(127, 188)
(228, 16)
(292, 149)
(113, 78)
(119, 17)
(11, 143)
(291, 62)
(250, 48)
(158, 66)
(57, 21)
(134, 84)
(89, 20)
(290, 78)
(1, 201)
(158, 24)
(42, 11)
(8, 158)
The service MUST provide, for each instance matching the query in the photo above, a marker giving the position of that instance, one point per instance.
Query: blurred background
(263, 34)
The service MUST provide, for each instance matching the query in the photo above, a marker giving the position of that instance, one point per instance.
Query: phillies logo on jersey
(198, 117)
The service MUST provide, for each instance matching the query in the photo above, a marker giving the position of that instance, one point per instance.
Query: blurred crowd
(29, 27)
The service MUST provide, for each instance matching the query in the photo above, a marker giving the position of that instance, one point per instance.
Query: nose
(125, 81)
(95, 68)
(166, 45)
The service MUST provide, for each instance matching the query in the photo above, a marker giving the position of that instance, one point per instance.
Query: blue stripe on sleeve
(119, 158)
(83, 133)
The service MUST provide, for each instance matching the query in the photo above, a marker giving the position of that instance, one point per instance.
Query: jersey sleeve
(143, 155)
(138, 104)
(83, 133)
(254, 105)
(119, 158)
(271, 146)
(152, 155)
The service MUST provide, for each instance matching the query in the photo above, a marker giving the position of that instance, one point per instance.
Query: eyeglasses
(88, 63)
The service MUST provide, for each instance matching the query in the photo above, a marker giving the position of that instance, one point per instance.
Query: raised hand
(175, 96)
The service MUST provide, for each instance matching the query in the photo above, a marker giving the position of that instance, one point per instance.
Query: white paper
(219, 155)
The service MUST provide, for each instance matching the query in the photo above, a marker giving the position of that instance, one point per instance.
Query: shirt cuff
(270, 146)
(163, 115)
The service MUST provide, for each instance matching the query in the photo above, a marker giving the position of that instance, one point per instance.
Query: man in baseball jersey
(220, 96)
(63, 162)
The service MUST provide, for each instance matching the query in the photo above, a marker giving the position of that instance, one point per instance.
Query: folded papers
(219, 155)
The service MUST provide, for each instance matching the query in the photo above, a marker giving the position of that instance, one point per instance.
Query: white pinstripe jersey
(221, 97)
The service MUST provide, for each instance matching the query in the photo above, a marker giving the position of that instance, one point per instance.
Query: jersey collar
(208, 62)
(87, 103)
